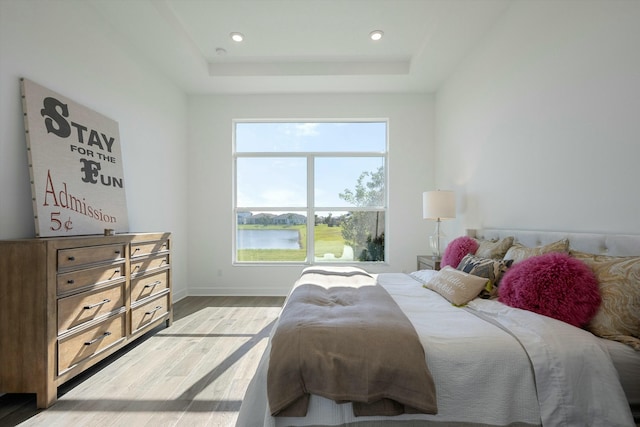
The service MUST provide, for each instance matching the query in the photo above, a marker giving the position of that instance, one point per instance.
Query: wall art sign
(75, 163)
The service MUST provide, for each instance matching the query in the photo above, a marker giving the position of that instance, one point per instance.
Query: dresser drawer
(147, 286)
(139, 266)
(66, 305)
(67, 282)
(147, 248)
(78, 309)
(71, 258)
(149, 312)
(83, 345)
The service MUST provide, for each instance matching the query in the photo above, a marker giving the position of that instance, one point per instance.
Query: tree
(369, 190)
(374, 250)
(328, 220)
(364, 230)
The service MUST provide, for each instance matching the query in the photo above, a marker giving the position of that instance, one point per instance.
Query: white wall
(539, 128)
(67, 47)
(210, 177)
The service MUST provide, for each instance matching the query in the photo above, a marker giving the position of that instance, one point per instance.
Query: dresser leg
(46, 398)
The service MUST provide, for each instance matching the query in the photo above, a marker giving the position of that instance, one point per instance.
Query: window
(310, 192)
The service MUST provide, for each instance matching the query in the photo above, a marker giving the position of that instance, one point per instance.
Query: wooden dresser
(68, 302)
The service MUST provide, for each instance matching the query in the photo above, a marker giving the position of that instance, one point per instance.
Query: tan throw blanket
(343, 337)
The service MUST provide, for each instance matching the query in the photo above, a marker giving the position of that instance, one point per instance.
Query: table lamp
(438, 205)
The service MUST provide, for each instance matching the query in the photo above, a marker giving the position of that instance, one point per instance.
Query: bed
(491, 364)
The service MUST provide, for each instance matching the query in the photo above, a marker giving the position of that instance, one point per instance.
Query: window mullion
(310, 209)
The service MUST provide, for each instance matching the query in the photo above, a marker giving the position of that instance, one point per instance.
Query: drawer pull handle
(104, 301)
(117, 252)
(71, 258)
(71, 281)
(151, 285)
(101, 337)
(154, 310)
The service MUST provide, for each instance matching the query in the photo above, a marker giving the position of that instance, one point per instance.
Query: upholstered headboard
(601, 244)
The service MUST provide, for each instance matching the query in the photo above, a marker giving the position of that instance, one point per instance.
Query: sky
(266, 181)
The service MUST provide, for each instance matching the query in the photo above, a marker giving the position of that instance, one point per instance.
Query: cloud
(307, 129)
(301, 129)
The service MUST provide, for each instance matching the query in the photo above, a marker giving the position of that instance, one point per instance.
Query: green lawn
(328, 240)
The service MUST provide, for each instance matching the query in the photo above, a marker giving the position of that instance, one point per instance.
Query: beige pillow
(456, 286)
(618, 317)
(518, 252)
(493, 248)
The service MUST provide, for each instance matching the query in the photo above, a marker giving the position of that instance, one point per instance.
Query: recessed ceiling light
(237, 37)
(376, 35)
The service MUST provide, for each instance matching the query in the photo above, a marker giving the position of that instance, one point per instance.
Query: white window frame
(310, 208)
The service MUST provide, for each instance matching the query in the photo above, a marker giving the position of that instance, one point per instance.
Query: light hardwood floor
(194, 373)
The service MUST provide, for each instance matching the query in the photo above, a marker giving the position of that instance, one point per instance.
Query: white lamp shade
(438, 204)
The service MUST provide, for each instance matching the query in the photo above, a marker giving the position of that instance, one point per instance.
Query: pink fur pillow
(457, 249)
(553, 284)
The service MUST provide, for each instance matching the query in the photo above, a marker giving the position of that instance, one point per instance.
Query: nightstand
(428, 262)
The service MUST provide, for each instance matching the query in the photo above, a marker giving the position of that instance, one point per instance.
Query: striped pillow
(491, 269)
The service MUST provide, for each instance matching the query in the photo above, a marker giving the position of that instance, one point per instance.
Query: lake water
(268, 239)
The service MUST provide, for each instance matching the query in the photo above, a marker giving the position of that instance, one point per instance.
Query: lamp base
(437, 241)
(437, 244)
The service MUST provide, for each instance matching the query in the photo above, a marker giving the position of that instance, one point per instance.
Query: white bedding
(481, 361)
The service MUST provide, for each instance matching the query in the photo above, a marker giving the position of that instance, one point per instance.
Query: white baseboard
(235, 291)
(177, 296)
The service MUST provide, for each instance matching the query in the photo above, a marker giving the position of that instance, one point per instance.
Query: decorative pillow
(456, 286)
(457, 249)
(494, 248)
(555, 285)
(518, 252)
(423, 276)
(491, 269)
(619, 280)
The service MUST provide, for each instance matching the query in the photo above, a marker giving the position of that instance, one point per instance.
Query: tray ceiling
(303, 46)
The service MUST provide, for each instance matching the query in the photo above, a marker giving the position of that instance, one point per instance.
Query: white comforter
(492, 365)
